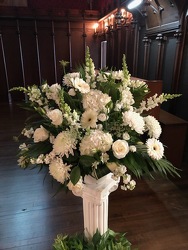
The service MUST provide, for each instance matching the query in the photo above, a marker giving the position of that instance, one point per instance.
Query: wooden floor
(154, 215)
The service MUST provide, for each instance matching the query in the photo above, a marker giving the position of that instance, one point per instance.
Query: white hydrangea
(95, 100)
(97, 140)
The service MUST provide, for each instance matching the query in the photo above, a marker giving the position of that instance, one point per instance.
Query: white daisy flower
(89, 119)
(155, 148)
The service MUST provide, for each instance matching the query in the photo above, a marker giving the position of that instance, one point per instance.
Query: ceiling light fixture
(133, 4)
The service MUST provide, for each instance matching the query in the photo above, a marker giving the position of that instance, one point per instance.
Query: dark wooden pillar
(161, 46)
(147, 44)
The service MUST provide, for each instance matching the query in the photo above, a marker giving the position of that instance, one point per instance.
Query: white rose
(102, 117)
(120, 149)
(40, 134)
(55, 116)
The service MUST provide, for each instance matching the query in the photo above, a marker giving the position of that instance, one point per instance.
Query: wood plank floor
(154, 215)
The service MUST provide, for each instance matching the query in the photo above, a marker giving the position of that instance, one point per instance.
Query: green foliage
(108, 241)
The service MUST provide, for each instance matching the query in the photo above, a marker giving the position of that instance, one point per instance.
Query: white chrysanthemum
(40, 134)
(55, 116)
(95, 100)
(89, 119)
(152, 126)
(81, 85)
(65, 143)
(97, 140)
(59, 170)
(155, 148)
(53, 92)
(134, 121)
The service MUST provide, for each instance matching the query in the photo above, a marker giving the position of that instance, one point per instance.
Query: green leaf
(75, 175)
(86, 160)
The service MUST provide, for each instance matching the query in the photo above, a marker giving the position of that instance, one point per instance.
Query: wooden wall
(32, 46)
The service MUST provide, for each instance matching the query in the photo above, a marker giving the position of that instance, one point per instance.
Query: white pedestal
(95, 203)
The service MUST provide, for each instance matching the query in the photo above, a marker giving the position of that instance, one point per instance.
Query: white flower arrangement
(94, 124)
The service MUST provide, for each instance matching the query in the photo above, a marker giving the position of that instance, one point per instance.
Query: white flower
(71, 92)
(89, 119)
(23, 147)
(80, 84)
(95, 100)
(67, 78)
(40, 134)
(65, 143)
(53, 92)
(104, 157)
(22, 161)
(28, 132)
(152, 126)
(132, 148)
(77, 188)
(118, 75)
(97, 140)
(126, 178)
(134, 121)
(131, 185)
(55, 116)
(155, 148)
(120, 149)
(126, 136)
(102, 117)
(59, 170)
